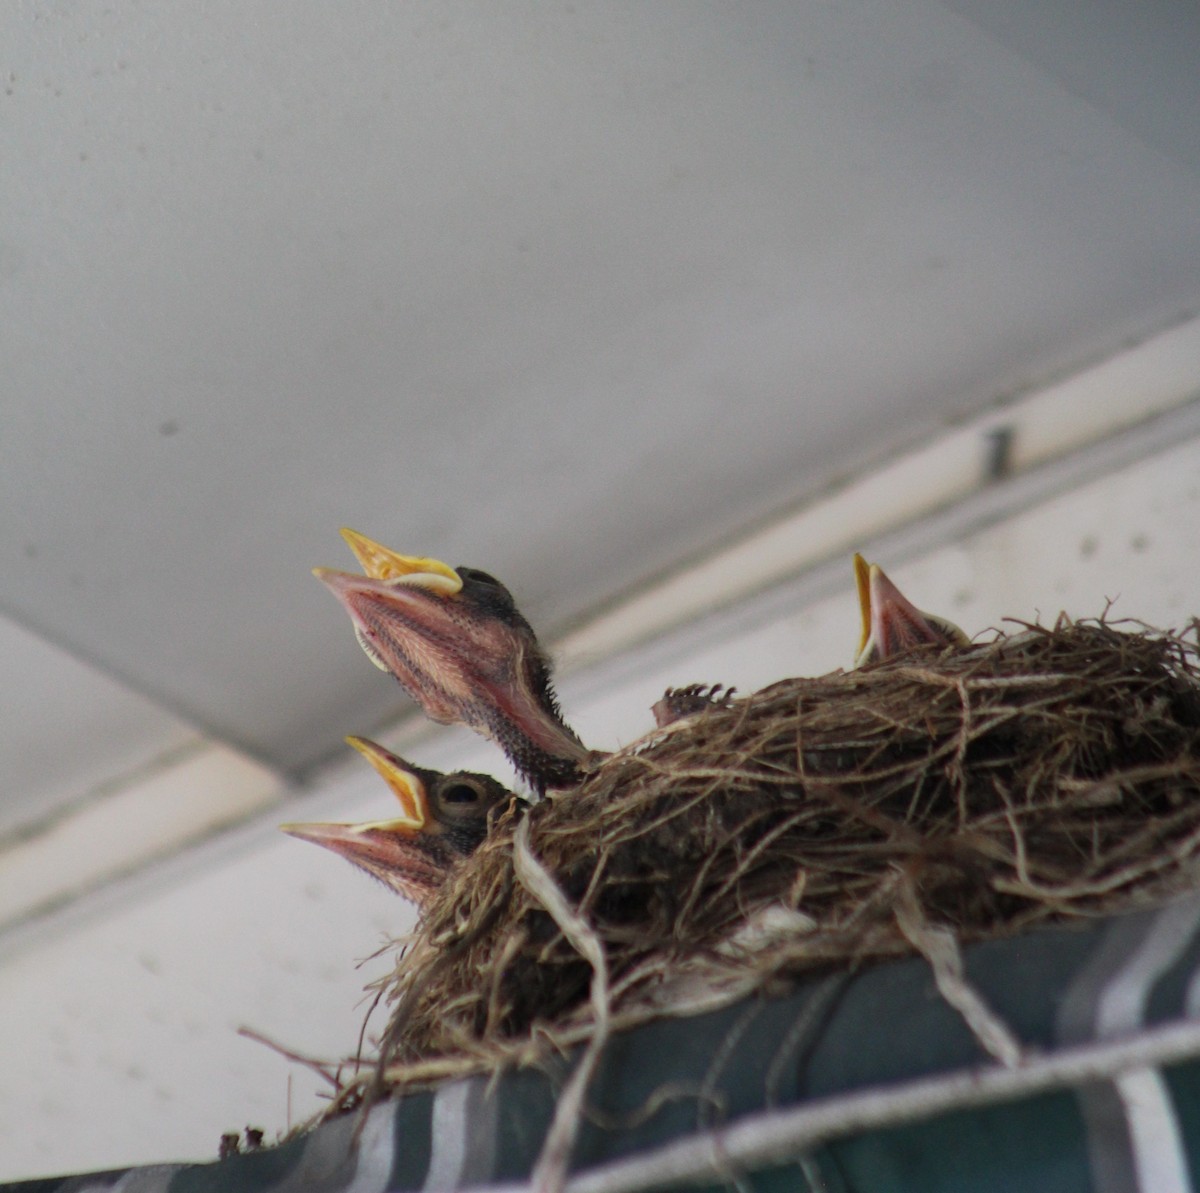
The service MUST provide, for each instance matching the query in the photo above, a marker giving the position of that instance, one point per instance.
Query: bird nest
(822, 822)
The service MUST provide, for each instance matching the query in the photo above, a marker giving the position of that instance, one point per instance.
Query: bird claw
(678, 703)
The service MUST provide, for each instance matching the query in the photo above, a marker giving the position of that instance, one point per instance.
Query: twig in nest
(940, 949)
(328, 1070)
(550, 1172)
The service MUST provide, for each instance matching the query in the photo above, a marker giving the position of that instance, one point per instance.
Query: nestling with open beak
(891, 623)
(455, 641)
(445, 818)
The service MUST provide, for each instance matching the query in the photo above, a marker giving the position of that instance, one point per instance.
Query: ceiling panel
(67, 731)
(566, 292)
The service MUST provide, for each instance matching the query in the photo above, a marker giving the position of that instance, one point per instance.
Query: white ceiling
(565, 291)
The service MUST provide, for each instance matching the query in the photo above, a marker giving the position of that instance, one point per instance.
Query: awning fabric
(1102, 1011)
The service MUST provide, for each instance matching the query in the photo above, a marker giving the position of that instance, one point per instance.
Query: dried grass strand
(550, 1171)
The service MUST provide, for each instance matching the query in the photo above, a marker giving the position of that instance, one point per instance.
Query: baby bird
(445, 818)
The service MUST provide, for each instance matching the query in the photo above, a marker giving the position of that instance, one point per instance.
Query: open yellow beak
(380, 563)
(408, 787)
(891, 623)
(862, 580)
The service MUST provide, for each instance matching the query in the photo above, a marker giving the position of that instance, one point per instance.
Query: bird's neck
(541, 746)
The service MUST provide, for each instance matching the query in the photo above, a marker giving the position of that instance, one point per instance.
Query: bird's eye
(461, 793)
(488, 592)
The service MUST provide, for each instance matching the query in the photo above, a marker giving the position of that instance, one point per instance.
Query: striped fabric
(860, 1082)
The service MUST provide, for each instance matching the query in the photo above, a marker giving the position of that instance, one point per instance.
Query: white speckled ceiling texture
(567, 291)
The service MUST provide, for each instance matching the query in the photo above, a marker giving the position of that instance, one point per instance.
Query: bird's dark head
(444, 818)
(456, 642)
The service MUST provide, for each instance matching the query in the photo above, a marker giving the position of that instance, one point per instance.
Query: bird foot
(678, 703)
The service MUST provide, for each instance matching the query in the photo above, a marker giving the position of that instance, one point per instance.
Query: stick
(550, 1171)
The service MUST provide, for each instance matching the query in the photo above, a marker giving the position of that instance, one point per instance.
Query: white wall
(120, 1014)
